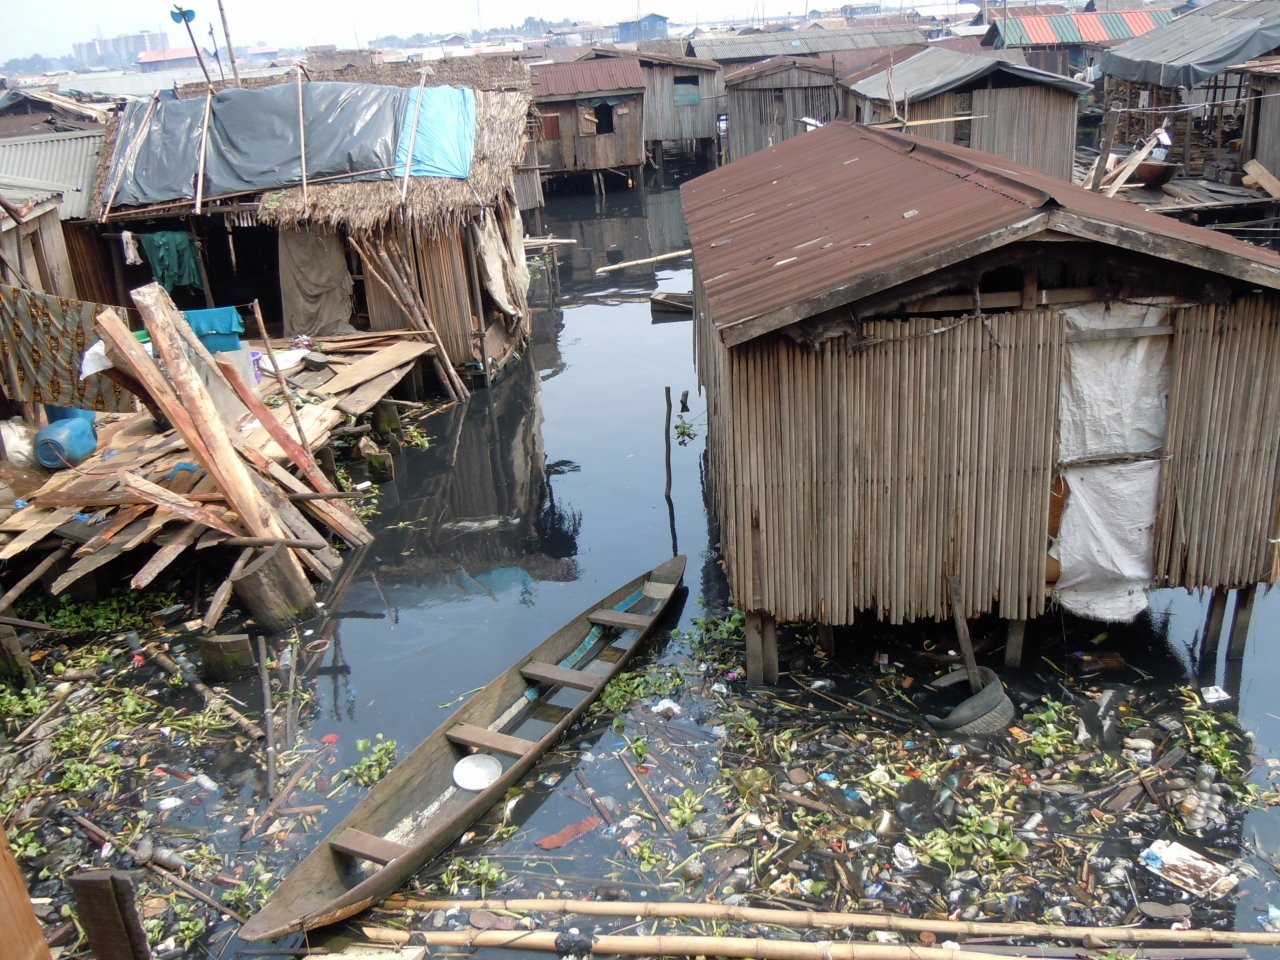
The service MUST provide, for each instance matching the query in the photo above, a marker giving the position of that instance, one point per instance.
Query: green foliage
(628, 687)
(684, 431)
(19, 706)
(367, 507)
(685, 808)
(377, 757)
(27, 846)
(649, 858)
(249, 896)
(1212, 740)
(482, 874)
(413, 436)
(118, 611)
(975, 839)
(1053, 731)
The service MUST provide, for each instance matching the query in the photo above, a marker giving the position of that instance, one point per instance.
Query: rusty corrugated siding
(817, 214)
(586, 78)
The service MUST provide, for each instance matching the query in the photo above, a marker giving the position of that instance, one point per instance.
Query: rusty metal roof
(567, 81)
(837, 214)
(764, 45)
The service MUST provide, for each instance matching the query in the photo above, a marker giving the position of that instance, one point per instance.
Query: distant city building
(652, 26)
(121, 51)
(179, 59)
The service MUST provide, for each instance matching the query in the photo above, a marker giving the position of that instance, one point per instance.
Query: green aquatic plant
(482, 874)
(1053, 731)
(684, 808)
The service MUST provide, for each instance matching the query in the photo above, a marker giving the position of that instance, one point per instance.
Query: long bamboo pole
(861, 921)
(673, 255)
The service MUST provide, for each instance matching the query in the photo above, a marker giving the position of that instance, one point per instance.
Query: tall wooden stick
(275, 369)
(268, 717)
(302, 139)
(204, 149)
(130, 155)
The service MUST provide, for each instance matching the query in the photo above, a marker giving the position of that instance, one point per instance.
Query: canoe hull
(327, 886)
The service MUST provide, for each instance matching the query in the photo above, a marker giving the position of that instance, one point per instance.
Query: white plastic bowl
(477, 771)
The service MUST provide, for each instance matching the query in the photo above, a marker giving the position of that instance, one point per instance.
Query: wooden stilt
(827, 638)
(1013, 643)
(1245, 598)
(755, 649)
(15, 667)
(962, 634)
(1212, 632)
(107, 907)
(225, 657)
(23, 939)
(275, 592)
(769, 647)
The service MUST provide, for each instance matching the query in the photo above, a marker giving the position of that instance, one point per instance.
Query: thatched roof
(435, 202)
(478, 73)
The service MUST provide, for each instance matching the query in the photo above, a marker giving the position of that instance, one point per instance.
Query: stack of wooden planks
(220, 474)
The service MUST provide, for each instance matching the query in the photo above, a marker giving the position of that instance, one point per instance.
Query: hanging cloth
(173, 258)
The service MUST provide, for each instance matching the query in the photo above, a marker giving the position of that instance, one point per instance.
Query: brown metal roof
(826, 218)
(600, 51)
(563, 81)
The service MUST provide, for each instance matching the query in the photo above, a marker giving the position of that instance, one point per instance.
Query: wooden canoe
(662, 301)
(416, 811)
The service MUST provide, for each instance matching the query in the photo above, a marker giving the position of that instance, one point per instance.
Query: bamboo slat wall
(1035, 125)
(1262, 128)
(858, 476)
(664, 119)
(935, 108)
(758, 118)
(1220, 489)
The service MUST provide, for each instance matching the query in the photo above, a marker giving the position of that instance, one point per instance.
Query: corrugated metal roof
(55, 163)
(974, 45)
(693, 63)
(1198, 45)
(164, 56)
(936, 70)
(764, 45)
(20, 193)
(1074, 28)
(820, 214)
(562, 81)
(777, 64)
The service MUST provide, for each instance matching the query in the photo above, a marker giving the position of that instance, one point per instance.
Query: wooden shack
(592, 114)
(1184, 71)
(1068, 43)
(769, 102)
(925, 363)
(683, 100)
(33, 253)
(1017, 112)
(1261, 136)
(444, 255)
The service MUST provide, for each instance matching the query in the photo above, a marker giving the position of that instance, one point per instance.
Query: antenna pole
(180, 14)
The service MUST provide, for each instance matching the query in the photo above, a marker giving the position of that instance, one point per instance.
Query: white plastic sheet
(1113, 402)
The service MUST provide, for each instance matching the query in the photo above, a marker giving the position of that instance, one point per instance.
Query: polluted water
(1116, 791)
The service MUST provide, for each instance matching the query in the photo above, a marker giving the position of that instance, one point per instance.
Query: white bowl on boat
(477, 771)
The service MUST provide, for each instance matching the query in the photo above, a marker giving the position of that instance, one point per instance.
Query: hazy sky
(32, 27)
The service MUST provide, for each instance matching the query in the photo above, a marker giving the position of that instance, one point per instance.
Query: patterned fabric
(42, 341)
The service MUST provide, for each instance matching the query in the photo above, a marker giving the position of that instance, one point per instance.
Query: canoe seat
(468, 734)
(616, 618)
(367, 846)
(540, 672)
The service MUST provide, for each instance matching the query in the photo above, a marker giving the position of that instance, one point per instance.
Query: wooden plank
(106, 906)
(23, 938)
(1266, 179)
(166, 555)
(1118, 333)
(100, 558)
(363, 399)
(106, 532)
(46, 523)
(375, 365)
(616, 618)
(540, 672)
(468, 734)
(175, 503)
(367, 846)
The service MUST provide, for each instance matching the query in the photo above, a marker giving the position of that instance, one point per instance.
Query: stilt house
(1069, 43)
(325, 228)
(1020, 113)
(1186, 67)
(683, 99)
(925, 363)
(769, 102)
(592, 114)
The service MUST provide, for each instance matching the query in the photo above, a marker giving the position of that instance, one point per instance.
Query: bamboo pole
(204, 149)
(268, 717)
(284, 387)
(413, 135)
(302, 140)
(614, 267)
(211, 697)
(130, 156)
(839, 921)
(41, 568)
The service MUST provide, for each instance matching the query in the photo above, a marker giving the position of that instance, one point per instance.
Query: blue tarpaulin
(446, 137)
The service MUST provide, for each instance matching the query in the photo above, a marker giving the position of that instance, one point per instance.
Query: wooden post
(1212, 632)
(386, 417)
(1104, 148)
(827, 639)
(962, 634)
(769, 647)
(107, 907)
(755, 649)
(22, 936)
(666, 438)
(1013, 643)
(1245, 599)
(225, 657)
(15, 667)
(275, 591)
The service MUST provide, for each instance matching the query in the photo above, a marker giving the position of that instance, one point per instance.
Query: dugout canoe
(417, 810)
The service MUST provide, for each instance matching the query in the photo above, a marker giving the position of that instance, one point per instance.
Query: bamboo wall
(1035, 125)
(858, 477)
(762, 115)
(574, 150)
(1220, 489)
(664, 119)
(940, 107)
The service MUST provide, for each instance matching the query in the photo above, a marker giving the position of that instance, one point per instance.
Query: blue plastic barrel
(65, 443)
(66, 413)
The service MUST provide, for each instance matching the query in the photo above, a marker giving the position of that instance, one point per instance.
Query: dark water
(545, 492)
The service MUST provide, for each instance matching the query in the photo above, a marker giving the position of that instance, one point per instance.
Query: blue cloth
(446, 139)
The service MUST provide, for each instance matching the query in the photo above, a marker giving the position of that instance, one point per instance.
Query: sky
(31, 27)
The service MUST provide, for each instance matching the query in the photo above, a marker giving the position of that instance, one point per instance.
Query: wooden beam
(23, 938)
(1245, 599)
(367, 846)
(1003, 299)
(468, 734)
(1117, 333)
(540, 672)
(619, 619)
(1266, 179)
(107, 908)
(175, 503)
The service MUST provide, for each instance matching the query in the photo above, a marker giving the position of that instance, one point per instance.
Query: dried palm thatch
(478, 73)
(435, 203)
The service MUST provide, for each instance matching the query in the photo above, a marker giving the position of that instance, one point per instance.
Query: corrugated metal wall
(664, 119)
(1220, 487)
(1031, 125)
(852, 478)
(528, 180)
(760, 118)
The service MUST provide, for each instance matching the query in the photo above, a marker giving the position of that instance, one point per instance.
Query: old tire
(988, 711)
